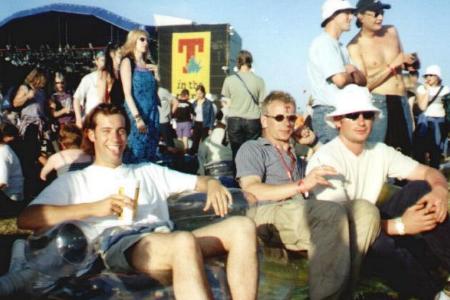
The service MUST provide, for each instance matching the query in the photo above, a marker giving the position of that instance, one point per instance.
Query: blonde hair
(130, 44)
(36, 78)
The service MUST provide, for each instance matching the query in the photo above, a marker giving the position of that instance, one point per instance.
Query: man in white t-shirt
(362, 168)
(86, 96)
(93, 195)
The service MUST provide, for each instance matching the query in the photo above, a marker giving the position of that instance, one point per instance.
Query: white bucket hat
(352, 99)
(330, 7)
(433, 70)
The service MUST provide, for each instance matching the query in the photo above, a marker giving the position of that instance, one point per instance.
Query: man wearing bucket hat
(431, 130)
(377, 51)
(329, 67)
(95, 195)
(267, 168)
(362, 168)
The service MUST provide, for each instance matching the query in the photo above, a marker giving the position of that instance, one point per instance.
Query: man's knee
(367, 211)
(241, 228)
(183, 240)
(330, 212)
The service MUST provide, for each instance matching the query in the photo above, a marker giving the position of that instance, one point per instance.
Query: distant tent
(65, 24)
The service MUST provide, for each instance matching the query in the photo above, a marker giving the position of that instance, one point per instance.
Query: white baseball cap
(433, 70)
(330, 7)
(351, 99)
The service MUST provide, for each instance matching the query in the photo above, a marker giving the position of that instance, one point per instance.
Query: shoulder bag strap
(246, 87)
(435, 96)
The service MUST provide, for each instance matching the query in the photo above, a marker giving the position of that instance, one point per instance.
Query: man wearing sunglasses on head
(420, 207)
(377, 51)
(267, 168)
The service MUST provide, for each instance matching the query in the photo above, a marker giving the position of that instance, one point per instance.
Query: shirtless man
(377, 51)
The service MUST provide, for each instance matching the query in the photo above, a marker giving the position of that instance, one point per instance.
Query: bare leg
(160, 254)
(237, 236)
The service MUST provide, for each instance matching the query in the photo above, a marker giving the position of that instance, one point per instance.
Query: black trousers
(408, 262)
(167, 133)
(241, 130)
(198, 133)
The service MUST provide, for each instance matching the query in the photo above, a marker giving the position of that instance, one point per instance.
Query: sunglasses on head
(280, 118)
(143, 39)
(367, 115)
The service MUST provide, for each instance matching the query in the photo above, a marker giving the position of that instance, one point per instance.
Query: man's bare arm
(263, 191)
(217, 196)
(38, 217)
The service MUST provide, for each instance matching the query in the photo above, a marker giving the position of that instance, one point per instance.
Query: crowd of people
(372, 123)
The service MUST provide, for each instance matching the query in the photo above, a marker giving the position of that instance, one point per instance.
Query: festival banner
(191, 54)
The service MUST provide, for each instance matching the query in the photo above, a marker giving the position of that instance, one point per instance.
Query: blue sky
(278, 33)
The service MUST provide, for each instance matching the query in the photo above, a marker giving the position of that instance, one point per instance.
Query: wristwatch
(399, 226)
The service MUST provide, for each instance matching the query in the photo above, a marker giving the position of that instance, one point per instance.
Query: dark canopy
(65, 24)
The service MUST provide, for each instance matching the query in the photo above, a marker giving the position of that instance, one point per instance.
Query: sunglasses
(143, 39)
(428, 75)
(280, 118)
(367, 115)
(374, 14)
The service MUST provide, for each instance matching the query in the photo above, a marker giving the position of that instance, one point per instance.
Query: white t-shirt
(87, 89)
(95, 183)
(11, 173)
(435, 109)
(359, 176)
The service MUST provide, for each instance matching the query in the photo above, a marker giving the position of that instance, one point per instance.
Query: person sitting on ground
(214, 155)
(267, 168)
(11, 181)
(71, 157)
(419, 208)
(92, 195)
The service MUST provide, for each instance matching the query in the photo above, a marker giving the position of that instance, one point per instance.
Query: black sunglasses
(367, 115)
(143, 39)
(375, 13)
(280, 118)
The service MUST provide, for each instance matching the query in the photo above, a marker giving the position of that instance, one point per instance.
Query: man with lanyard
(267, 168)
(329, 67)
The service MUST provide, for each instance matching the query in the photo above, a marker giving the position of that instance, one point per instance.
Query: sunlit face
(372, 20)
(100, 62)
(432, 80)
(344, 20)
(354, 131)
(200, 94)
(109, 139)
(142, 43)
(59, 85)
(275, 130)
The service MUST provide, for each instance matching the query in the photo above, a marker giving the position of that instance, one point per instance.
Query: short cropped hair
(244, 58)
(280, 96)
(201, 88)
(90, 122)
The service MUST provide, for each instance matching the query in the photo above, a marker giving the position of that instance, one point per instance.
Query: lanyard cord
(289, 171)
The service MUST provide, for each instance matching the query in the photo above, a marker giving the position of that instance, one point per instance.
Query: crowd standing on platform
(313, 183)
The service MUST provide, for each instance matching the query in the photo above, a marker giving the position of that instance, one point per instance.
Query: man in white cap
(362, 168)
(431, 129)
(329, 67)
(377, 51)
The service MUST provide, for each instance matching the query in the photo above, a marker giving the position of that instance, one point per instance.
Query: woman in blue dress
(141, 100)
